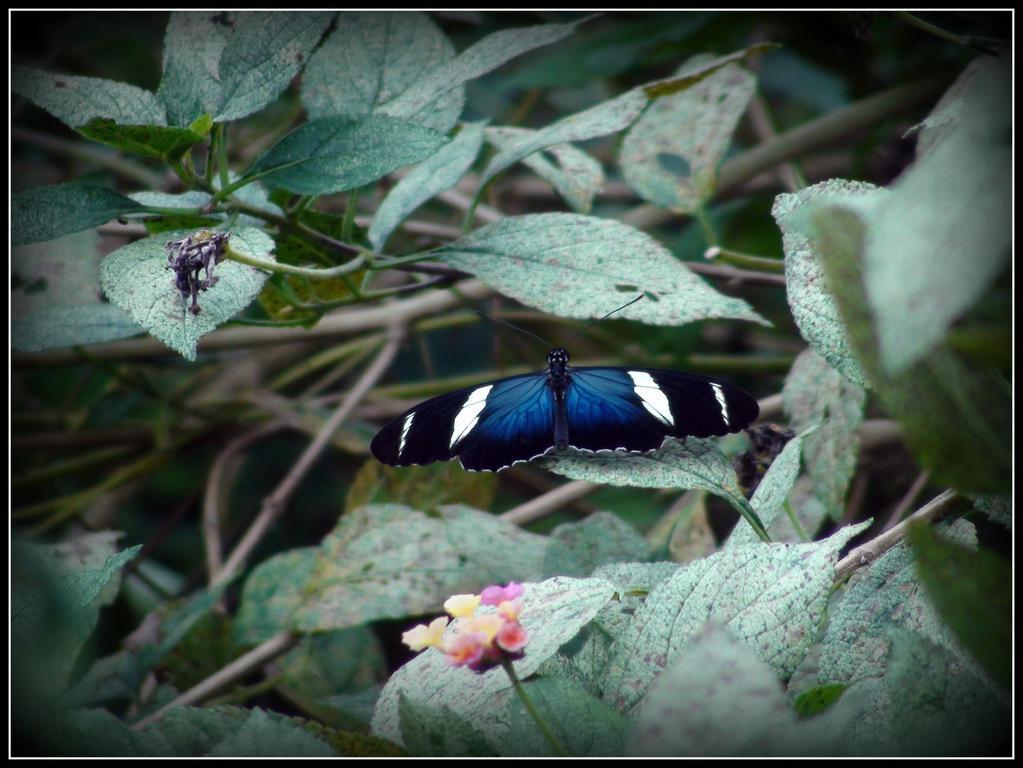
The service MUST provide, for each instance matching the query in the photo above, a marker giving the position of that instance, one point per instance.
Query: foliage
(206, 564)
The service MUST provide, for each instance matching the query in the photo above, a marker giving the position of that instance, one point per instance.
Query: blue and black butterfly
(494, 425)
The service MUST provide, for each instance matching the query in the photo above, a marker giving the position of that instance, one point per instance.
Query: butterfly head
(557, 360)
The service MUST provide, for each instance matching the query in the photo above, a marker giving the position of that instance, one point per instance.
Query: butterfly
(495, 425)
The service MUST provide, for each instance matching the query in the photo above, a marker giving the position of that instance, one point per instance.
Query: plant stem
(545, 729)
(348, 222)
(794, 519)
(745, 260)
(290, 269)
(981, 44)
(223, 169)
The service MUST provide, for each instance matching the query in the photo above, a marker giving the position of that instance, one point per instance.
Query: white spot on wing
(719, 395)
(404, 431)
(654, 400)
(469, 415)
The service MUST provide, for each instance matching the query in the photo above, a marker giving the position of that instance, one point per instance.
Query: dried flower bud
(202, 250)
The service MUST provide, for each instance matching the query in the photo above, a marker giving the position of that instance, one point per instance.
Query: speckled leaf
(427, 487)
(159, 141)
(553, 612)
(44, 213)
(55, 273)
(437, 173)
(388, 560)
(476, 60)
(273, 594)
(575, 549)
(956, 416)
(670, 156)
(135, 278)
(692, 463)
(696, 74)
(933, 248)
(811, 301)
(972, 592)
(583, 266)
(815, 393)
(720, 699)
(772, 492)
(433, 730)
(192, 47)
(998, 509)
(68, 326)
(192, 732)
(887, 594)
(772, 597)
(77, 100)
(329, 663)
(374, 57)
(334, 154)
(948, 112)
(575, 175)
(265, 51)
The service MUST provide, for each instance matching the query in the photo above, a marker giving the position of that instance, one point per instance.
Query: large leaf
(265, 51)
(77, 100)
(671, 154)
(162, 142)
(719, 699)
(374, 57)
(574, 174)
(334, 154)
(44, 213)
(772, 597)
(956, 416)
(427, 487)
(816, 393)
(887, 594)
(136, 279)
(811, 301)
(388, 560)
(583, 266)
(273, 593)
(972, 591)
(933, 248)
(492, 51)
(437, 173)
(693, 463)
(576, 549)
(192, 47)
(68, 326)
(553, 612)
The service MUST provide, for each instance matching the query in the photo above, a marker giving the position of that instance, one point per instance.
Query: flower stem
(540, 722)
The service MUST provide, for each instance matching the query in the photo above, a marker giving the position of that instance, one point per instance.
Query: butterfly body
(494, 425)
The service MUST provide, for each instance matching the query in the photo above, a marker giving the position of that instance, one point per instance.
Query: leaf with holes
(136, 279)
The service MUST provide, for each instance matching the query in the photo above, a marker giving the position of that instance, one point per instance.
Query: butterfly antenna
(515, 327)
(583, 330)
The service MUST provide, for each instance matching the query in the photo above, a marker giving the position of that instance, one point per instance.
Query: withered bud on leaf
(202, 250)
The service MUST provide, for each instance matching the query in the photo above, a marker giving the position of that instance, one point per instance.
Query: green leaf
(167, 144)
(575, 175)
(334, 154)
(770, 596)
(77, 100)
(374, 57)
(45, 213)
(265, 51)
(932, 249)
(576, 549)
(272, 595)
(135, 278)
(671, 154)
(972, 592)
(388, 560)
(192, 47)
(998, 509)
(437, 173)
(433, 730)
(694, 463)
(553, 612)
(810, 299)
(887, 594)
(773, 491)
(694, 75)
(427, 487)
(818, 699)
(956, 416)
(478, 59)
(718, 698)
(816, 393)
(70, 326)
(583, 266)
(330, 663)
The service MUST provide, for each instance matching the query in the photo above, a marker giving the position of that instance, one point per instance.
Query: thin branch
(237, 669)
(733, 274)
(873, 549)
(907, 501)
(274, 504)
(549, 502)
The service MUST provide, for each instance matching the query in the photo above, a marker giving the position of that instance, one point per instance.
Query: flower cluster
(477, 641)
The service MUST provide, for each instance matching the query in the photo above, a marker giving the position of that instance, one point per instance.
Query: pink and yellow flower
(422, 636)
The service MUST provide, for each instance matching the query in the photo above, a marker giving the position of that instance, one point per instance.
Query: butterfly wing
(488, 427)
(635, 409)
